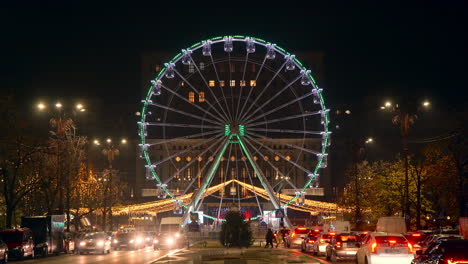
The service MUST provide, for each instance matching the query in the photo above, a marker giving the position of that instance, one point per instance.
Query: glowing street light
(388, 104)
(96, 142)
(426, 103)
(58, 105)
(369, 140)
(109, 140)
(41, 106)
(79, 106)
(124, 141)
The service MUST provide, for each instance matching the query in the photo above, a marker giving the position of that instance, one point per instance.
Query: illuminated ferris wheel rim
(252, 41)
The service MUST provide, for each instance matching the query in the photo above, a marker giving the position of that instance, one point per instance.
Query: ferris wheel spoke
(272, 98)
(195, 105)
(222, 91)
(216, 152)
(282, 119)
(279, 155)
(263, 90)
(279, 107)
(179, 125)
(284, 144)
(192, 161)
(226, 117)
(286, 131)
(241, 87)
(186, 114)
(196, 91)
(187, 150)
(252, 183)
(252, 88)
(185, 137)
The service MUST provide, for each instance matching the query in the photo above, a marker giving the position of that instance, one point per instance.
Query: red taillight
(316, 230)
(311, 241)
(301, 228)
(416, 234)
(451, 261)
(410, 248)
(392, 242)
(293, 234)
(338, 244)
(374, 247)
(332, 233)
(322, 240)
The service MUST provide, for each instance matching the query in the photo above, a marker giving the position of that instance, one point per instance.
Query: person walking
(269, 238)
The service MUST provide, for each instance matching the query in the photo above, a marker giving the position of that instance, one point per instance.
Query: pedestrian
(269, 238)
(279, 238)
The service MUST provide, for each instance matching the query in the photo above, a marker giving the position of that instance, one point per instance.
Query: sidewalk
(214, 253)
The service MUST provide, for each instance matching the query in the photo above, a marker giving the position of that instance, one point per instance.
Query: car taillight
(416, 235)
(338, 244)
(316, 230)
(374, 247)
(311, 241)
(451, 261)
(392, 242)
(332, 233)
(410, 248)
(293, 234)
(322, 240)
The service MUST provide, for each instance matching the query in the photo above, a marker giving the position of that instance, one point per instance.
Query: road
(322, 259)
(142, 256)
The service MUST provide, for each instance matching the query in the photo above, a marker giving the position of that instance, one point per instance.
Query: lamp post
(405, 116)
(62, 125)
(110, 151)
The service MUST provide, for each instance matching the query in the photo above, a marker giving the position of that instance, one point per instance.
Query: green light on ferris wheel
(227, 130)
(241, 130)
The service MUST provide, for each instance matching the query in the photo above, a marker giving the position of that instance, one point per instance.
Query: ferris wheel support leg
(206, 181)
(263, 180)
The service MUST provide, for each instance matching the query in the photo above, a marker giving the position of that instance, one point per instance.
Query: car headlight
(155, 241)
(148, 239)
(82, 243)
(170, 241)
(139, 240)
(100, 243)
(116, 241)
(132, 241)
(177, 235)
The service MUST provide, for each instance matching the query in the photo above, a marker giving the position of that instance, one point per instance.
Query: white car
(385, 248)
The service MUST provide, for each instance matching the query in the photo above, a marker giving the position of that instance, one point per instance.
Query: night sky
(69, 49)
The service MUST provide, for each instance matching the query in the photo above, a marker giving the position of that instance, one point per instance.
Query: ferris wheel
(231, 111)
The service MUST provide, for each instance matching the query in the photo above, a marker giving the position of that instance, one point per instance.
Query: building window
(232, 83)
(253, 83)
(233, 68)
(202, 66)
(189, 173)
(221, 83)
(211, 83)
(191, 68)
(254, 68)
(157, 68)
(182, 84)
(201, 97)
(191, 97)
(242, 83)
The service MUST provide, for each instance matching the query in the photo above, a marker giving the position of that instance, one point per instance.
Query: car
(425, 243)
(320, 245)
(342, 246)
(3, 252)
(383, 247)
(19, 241)
(444, 251)
(294, 238)
(98, 242)
(169, 240)
(128, 240)
(308, 242)
(149, 237)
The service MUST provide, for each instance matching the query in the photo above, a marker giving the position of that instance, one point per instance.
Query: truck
(337, 226)
(48, 233)
(170, 224)
(391, 224)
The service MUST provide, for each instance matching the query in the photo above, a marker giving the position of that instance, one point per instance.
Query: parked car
(342, 246)
(382, 247)
(308, 242)
(444, 251)
(294, 239)
(128, 240)
(3, 252)
(19, 241)
(98, 242)
(320, 245)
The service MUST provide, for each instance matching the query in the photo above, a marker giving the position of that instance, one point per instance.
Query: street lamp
(62, 123)
(405, 116)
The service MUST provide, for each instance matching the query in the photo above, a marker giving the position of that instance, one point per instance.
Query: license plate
(91, 248)
(350, 253)
(123, 245)
(392, 251)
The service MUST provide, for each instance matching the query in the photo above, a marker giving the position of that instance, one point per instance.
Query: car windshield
(95, 236)
(12, 237)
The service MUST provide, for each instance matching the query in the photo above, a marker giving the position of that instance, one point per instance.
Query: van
(19, 241)
(391, 224)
